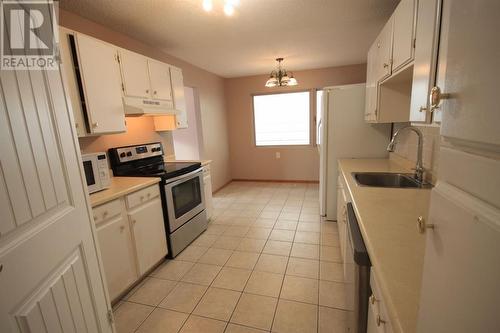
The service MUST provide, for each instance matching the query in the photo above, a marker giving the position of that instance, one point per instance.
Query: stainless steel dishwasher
(357, 274)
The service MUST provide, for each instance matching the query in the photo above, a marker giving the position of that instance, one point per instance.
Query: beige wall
(210, 88)
(296, 163)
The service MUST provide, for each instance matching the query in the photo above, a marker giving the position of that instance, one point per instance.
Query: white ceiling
(307, 33)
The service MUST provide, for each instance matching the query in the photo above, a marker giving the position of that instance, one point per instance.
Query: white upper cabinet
(135, 74)
(179, 98)
(371, 86)
(426, 51)
(160, 80)
(99, 74)
(383, 54)
(403, 36)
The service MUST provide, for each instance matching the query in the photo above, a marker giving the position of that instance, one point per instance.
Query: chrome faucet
(419, 168)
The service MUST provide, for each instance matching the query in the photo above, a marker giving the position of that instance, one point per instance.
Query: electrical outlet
(278, 155)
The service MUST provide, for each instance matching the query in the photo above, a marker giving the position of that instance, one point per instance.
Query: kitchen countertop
(121, 186)
(388, 222)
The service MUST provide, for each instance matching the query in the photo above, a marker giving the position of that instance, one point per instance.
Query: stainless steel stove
(182, 192)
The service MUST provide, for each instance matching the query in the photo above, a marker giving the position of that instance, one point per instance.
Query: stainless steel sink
(384, 179)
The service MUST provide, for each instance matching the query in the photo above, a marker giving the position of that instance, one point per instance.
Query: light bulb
(207, 5)
(228, 9)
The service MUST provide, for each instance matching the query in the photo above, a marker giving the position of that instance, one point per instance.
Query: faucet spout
(419, 168)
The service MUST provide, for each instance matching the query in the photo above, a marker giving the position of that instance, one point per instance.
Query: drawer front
(142, 196)
(106, 211)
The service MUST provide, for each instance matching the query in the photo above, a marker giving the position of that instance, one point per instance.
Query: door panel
(47, 234)
(469, 62)
(382, 68)
(135, 74)
(179, 98)
(160, 80)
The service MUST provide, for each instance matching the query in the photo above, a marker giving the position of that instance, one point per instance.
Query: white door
(50, 277)
(469, 67)
(460, 289)
(135, 74)
(148, 231)
(117, 253)
(102, 85)
(404, 23)
(179, 98)
(160, 80)
(383, 57)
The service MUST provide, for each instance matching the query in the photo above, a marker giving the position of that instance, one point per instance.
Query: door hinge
(414, 42)
(118, 58)
(111, 317)
(123, 87)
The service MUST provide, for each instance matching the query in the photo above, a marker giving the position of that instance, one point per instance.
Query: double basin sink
(391, 180)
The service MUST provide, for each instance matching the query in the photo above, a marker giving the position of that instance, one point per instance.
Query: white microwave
(96, 171)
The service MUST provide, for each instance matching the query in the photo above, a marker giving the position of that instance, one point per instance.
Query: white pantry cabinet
(383, 52)
(207, 185)
(117, 251)
(179, 98)
(371, 87)
(161, 87)
(403, 34)
(93, 76)
(132, 237)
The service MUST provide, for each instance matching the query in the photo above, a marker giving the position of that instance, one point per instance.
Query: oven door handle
(182, 177)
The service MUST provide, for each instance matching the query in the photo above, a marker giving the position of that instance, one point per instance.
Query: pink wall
(210, 88)
(296, 163)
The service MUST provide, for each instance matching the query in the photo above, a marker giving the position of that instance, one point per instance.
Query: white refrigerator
(343, 133)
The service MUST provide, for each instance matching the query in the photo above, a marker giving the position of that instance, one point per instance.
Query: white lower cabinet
(207, 185)
(117, 251)
(131, 233)
(378, 321)
(148, 232)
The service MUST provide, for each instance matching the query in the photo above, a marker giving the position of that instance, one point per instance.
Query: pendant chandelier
(280, 78)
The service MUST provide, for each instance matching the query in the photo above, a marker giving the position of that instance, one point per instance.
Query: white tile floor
(266, 264)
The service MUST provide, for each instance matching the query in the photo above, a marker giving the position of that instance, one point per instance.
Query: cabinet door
(469, 67)
(100, 73)
(207, 185)
(371, 86)
(179, 99)
(404, 23)
(135, 74)
(117, 255)
(383, 57)
(426, 51)
(160, 80)
(148, 232)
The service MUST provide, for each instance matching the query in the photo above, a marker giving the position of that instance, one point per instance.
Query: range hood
(148, 107)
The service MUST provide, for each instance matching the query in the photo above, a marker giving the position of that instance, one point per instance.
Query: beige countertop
(121, 186)
(387, 218)
(203, 162)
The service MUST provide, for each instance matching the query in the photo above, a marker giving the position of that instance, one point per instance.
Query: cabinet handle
(380, 320)
(96, 124)
(1, 268)
(105, 214)
(147, 91)
(134, 221)
(154, 92)
(122, 228)
(435, 98)
(422, 109)
(373, 299)
(386, 65)
(422, 225)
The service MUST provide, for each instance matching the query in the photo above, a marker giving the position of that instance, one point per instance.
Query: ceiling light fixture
(208, 5)
(280, 78)
(229, 6)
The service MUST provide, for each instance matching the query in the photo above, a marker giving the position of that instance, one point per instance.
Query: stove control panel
(132, 153)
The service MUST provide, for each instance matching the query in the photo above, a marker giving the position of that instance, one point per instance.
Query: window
(282, 119)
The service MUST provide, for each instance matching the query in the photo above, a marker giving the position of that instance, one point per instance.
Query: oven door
(185, 198)
(91, 174)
